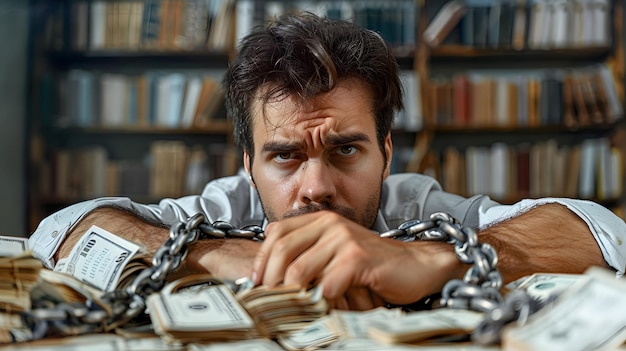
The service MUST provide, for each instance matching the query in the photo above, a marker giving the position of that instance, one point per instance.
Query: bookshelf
(523, 98)
(83, 43)
(125, 100)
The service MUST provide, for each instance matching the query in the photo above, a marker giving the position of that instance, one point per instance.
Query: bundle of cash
(421, 326)
(19, 272)
(283, 309)
(195, 309)
(590, 314)
(338, 325)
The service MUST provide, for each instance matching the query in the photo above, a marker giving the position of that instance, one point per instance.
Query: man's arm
(547, 238)
(225, 258)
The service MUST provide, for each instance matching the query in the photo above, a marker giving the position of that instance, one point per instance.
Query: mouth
(311, 208)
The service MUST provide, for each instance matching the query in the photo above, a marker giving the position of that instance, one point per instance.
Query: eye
(283, 156)
(346, 150)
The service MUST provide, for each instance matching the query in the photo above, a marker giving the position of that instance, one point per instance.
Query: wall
(13, 63)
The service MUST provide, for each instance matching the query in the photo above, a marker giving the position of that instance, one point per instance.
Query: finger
(310, 264)
(360, 299)
(340, 303)
(285, 251)
(273, 232)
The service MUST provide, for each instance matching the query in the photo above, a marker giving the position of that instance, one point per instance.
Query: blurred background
(511, 98)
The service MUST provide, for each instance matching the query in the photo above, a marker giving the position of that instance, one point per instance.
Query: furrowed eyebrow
(332, 140)
(277, 146)
(342, 139)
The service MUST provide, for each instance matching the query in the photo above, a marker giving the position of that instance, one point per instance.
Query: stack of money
(283, 309)
(99, 263)
(194, 309)
(19, 272)
(418, 327)
(590, 314)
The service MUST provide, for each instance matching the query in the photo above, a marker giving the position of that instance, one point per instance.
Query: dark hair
(306, 55)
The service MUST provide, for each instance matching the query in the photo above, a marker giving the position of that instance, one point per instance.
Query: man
(312, 102)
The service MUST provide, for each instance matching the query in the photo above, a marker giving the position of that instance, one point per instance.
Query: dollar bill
(100, 342)
(545, 288)
(418, 326)
(243, 345)
(210, 313)
(314, 336)
(590, 315)
(12, 246)
(355, 324)
(99, 258)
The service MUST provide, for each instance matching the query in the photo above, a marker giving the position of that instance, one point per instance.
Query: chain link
(479, 289)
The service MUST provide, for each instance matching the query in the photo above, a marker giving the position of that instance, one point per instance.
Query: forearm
(203, 256)
(119, 222)
(548, 238)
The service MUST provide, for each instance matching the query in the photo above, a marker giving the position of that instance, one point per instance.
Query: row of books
(170, 100)
(574, 98)
(149, 24)
(216, 24)
(520, 24)
(395, 20)
(591, 169)
(172, 169)
(157, 99)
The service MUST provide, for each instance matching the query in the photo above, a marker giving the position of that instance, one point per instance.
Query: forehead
(349, 104)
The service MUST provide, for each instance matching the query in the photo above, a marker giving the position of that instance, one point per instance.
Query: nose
(316, 183)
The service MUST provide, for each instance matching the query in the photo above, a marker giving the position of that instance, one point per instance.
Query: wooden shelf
(218, 127)
(151, 58)
(462, 52)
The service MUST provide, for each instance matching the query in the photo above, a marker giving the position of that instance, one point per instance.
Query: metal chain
(479, 289)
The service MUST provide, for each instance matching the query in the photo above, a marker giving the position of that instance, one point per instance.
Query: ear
(247, 167)
(389, 154)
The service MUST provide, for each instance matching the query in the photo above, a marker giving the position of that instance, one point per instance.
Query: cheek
(273, 187)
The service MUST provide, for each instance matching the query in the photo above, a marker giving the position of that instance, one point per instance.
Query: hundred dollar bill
(544, 287)
(590, 315)
(98, 258)
(12, 246)
(210, 313)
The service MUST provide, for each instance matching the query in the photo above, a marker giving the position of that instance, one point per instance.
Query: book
(443, 22)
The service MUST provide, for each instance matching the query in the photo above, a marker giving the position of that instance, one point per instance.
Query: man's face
(320, 155)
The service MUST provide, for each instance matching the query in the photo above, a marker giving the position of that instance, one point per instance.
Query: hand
(357, 299)
(326, 248)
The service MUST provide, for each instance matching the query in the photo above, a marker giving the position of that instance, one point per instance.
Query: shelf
(143, 58)
(547, 129)
(457, 53)
(217, 127)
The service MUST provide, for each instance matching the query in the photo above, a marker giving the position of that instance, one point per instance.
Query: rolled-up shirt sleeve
(608, 229)
(46, 239)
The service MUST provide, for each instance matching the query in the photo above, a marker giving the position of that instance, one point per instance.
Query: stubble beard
(366, 219)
